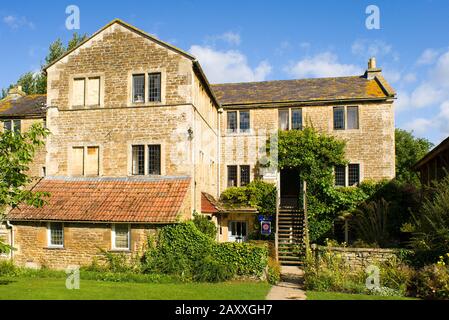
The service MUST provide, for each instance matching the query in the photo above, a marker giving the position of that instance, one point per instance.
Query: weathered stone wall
(372, 145)
(81, 243)
(359, 257)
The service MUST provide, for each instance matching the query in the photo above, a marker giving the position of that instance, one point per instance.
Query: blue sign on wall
(265, 227)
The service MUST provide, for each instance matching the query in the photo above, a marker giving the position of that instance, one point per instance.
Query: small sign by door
(265, 228)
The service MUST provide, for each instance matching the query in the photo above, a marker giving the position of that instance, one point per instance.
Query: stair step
(289, 258)
(291, 263)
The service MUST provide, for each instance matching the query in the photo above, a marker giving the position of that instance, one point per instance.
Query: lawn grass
(26, 288)
(315, 295)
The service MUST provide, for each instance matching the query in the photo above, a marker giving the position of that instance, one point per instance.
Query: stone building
(140, 139)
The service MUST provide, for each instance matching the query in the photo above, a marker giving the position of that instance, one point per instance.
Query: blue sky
(266, 40)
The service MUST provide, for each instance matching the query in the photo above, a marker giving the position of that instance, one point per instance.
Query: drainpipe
(11, 241)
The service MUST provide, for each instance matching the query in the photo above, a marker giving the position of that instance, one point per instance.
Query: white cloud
(440, 73)
(443, 117)
(229, 66)
(418, 125)
(402, 102)
(373, 48)
(14, 22)
(427, 57)
(426, 95)
(321, 65)
(229, 37)
(392, 75)
(410, 77)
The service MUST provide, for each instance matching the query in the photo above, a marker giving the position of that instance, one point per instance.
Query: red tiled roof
(108, 200)
(208, 204)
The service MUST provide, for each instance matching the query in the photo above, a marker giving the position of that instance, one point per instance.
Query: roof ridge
(283, 80)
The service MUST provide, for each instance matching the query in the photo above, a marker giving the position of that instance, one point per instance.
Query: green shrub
(186, 252)
(116, 262)
(205, 225)
(431, 224)
(274, 271)
(431, 282)
(370, 222)
(396, 276)
(247, 258)
(257, 194)
(210, 269)
(7, 268)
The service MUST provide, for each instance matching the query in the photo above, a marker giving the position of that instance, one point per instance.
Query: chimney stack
(372, 70)
(15, 93)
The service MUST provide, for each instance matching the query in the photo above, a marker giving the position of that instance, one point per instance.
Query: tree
(431, 223)
(409, 150)
(36, 83)
(16, 153)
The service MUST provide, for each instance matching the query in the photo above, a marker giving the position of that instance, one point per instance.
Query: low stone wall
(358, 257)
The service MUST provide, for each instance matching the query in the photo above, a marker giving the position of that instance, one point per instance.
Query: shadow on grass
(4, 282)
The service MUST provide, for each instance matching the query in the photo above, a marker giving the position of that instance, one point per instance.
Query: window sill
(145, 104)
(54, 248)
(120, 251)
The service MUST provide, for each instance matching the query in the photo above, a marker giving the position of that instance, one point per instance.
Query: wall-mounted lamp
(190, 132)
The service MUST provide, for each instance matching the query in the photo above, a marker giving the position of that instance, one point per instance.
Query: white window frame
(113, 247)
(345, 117)
(234, 239)
(49, 244)
(238, 182)
(290, 117)
(238, 131)
(347, 174)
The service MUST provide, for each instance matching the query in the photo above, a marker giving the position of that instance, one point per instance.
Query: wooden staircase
(291, 246)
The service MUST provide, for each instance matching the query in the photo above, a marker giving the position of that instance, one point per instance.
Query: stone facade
(372, 145)
(117, 123)
(82, 243)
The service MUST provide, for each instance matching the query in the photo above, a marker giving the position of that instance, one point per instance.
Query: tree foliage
(16, 153)
(409, 150)
(36, 83)
(431, 223)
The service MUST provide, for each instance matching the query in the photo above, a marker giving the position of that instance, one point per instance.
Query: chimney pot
(372, 63)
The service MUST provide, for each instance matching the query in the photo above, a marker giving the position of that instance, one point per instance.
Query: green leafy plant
(431, 223)
(274, 271)
(205, 225)
(370, 222)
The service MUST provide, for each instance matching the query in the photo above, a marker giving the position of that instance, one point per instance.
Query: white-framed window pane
(353, 174)
(244, 121)
(121, 236)
(78, 92)
(353, 117)
(340, 176)
(138, 161)
(154, 159)
(56, 234)
(7, 125)
(244, 175)
(139, 88)
(93, 94)
(283, 120)
(296, 119)
(232, 176)
(154, 87)
(232, 121)
(339, 118)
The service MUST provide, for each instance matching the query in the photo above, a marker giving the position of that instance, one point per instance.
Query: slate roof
(303, 90)
(133, 199)
(27, 106)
